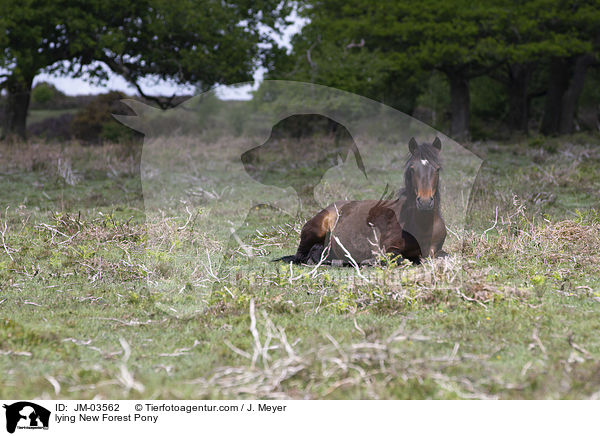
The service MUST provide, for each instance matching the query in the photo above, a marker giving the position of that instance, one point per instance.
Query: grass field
(92, 306)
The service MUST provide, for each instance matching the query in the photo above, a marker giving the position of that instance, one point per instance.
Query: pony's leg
(309, 238)
(314, 255)
(309, 250)
(314, 233)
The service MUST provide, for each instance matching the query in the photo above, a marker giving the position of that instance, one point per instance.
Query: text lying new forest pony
(408, 227)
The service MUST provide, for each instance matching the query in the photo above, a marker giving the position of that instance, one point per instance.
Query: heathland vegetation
(101, 299)
(93, 304)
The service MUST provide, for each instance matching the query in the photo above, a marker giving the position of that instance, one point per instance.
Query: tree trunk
(556, 89)
(17, 105)
(459, 106)
(518, 116)
(571, 96)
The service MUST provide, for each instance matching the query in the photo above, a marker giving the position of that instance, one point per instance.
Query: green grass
(96, 302)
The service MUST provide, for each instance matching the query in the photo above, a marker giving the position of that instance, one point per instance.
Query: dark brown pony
(358, 232)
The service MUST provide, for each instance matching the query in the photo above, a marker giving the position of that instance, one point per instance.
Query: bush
(45, 96)
(43, 93)
(94, 123)
(52, 128)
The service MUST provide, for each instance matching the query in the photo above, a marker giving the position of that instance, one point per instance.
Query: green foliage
(137, 38)
(44, 93)
(388, 50)
(196, 42)
(591, 92)
(432, 104)
(94, 123)
(487, 99)
(381, 49)
(347, 45)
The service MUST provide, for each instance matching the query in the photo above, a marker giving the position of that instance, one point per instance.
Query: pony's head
(422, 174)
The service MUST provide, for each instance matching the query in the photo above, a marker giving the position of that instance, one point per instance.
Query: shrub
(43, 93)
(94, 123)
(52, 128)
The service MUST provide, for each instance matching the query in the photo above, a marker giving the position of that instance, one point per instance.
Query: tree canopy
(529, 54)
(198, 42)
(387, 49)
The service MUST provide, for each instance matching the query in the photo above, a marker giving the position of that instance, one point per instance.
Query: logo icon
(26, 415)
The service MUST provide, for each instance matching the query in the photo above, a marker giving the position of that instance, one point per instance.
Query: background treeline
(471, 69)
(87, 118)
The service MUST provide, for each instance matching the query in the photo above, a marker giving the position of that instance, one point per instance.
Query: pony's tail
(286, 259)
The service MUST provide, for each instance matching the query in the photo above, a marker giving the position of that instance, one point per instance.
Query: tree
(351, 45)
(555, 38)
(575, 25)
(199, 42)
(390, 44)
(524, 50)
(460, 39)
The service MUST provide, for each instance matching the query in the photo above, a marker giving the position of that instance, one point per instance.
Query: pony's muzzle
(425, 203)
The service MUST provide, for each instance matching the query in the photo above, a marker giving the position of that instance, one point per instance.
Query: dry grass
(60, 158)
(275, 367)
(510, 313)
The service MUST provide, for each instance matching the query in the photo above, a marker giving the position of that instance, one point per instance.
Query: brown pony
(358, 232)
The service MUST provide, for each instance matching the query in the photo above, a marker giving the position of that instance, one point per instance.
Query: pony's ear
(412, 145)
(437, 143)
